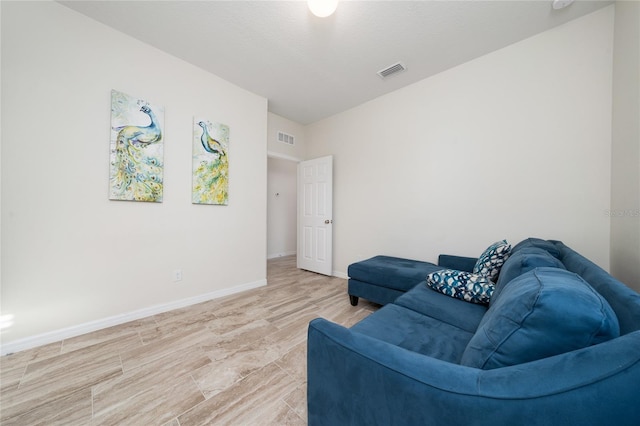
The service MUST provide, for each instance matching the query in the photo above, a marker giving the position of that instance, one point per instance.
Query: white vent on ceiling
(286, 138)
(392, 69)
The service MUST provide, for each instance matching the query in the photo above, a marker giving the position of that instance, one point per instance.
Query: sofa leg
(353, 300)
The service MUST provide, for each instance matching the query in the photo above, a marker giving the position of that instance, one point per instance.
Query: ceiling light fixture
(322, 8)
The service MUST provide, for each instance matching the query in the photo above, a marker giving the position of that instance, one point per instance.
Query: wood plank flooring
(238, 360)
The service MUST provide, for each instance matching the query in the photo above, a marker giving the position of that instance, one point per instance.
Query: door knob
(326, 222)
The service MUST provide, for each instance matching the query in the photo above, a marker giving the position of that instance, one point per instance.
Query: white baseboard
(88, 327)
(286, 253)
(340, 275)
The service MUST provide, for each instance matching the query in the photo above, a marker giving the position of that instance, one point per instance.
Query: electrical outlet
(177, 275)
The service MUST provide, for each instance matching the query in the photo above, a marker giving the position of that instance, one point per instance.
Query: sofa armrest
(358, 380)
(461, 263)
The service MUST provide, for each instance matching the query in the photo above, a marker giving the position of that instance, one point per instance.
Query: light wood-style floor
(239, 360)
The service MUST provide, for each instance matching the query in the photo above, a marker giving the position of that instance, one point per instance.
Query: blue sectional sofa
(558, 344)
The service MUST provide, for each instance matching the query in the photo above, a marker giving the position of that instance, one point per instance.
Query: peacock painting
(210, 162)
(137, 149)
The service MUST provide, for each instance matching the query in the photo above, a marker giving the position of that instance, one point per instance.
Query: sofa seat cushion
(415, 332)
(455, 312)
(391, 272)
(524, 260)
(542, 313)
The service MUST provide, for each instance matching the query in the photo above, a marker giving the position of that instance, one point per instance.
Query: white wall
(275, 148)
(281, 207)
(69, 255)
(625, 195)
(514, 144)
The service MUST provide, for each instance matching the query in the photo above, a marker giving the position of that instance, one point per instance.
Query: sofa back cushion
(546, 245)
(542, 313)
(624, 301)
(522, 261)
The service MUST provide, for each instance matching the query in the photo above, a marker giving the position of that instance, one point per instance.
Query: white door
(315, 222)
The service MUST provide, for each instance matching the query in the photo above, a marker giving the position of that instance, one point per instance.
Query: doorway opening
(281, 206)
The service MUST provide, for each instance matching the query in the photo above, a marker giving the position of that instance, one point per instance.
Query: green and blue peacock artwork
(137, 149)
(210, 162)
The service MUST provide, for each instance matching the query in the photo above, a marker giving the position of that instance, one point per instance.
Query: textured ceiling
(311, 68)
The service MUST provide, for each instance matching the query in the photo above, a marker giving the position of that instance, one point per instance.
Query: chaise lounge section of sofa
(558, 343)
(382, 279)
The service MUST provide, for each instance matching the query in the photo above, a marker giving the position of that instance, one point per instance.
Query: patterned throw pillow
(492, 259)
(462, 285)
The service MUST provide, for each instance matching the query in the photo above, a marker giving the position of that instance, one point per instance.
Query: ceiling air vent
(286, 138)
(393, 69)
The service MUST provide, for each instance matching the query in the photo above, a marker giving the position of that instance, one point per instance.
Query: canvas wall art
(137, 149)
(210, 162)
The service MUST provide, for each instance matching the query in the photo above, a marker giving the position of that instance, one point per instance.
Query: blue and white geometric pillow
(492, 259)
(462, 285)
